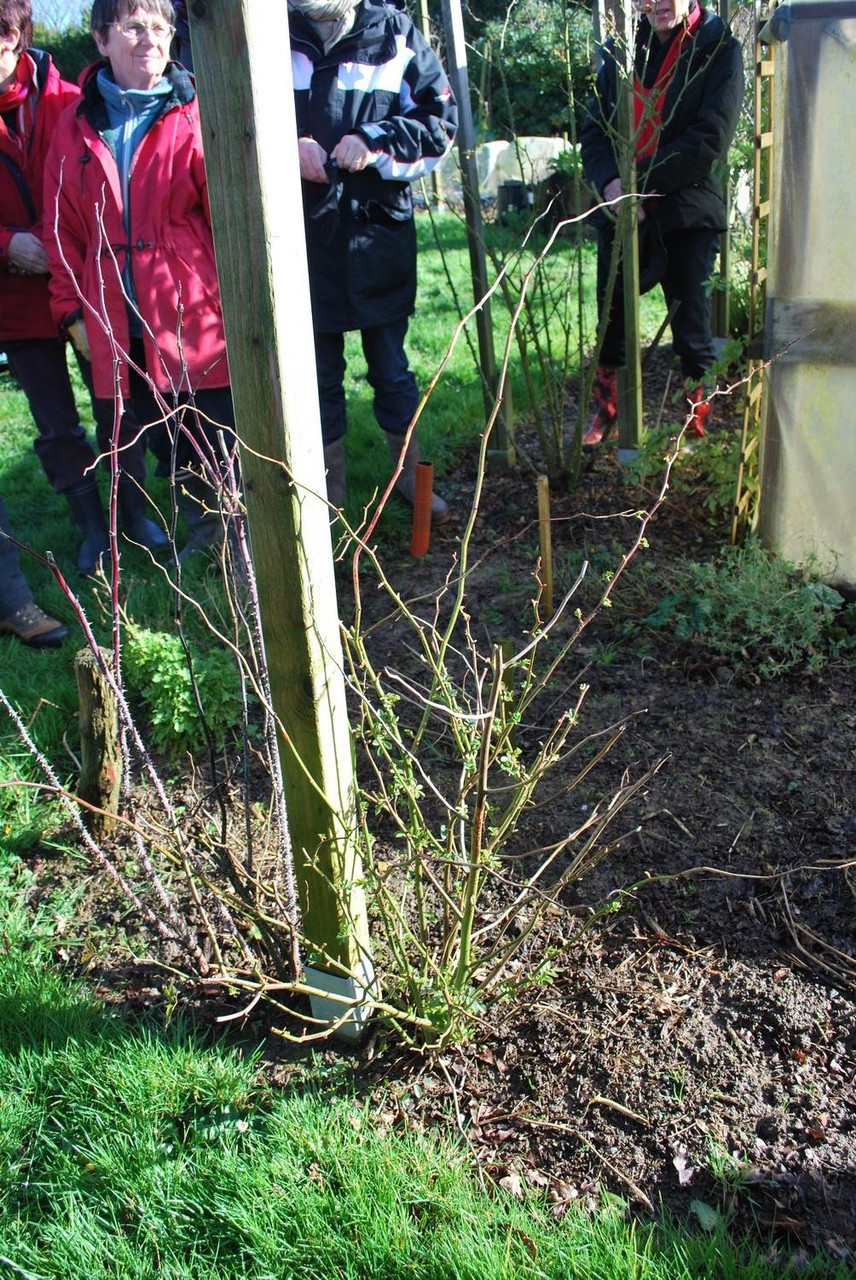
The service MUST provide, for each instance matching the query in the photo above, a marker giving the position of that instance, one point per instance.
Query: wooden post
(630, 378)
(501, 450)
(721, 298)
(100, 757)
(434, 176)
(546, 541)
(243, 69)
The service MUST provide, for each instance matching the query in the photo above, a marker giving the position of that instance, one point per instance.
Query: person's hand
(351, 153)
(77, 333)
(313, 157)
(27, 254)
(613, 191)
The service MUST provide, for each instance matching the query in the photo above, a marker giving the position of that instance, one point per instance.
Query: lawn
(134, 1147)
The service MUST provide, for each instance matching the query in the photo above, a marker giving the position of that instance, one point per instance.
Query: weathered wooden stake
(630, 427)
(424, 22)
(100, 757)
(546, 540)
(243, 70)
(501, 452)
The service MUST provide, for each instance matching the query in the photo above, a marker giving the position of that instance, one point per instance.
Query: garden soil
(696, 1046)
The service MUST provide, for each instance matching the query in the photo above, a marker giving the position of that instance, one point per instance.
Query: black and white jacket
(383, 82)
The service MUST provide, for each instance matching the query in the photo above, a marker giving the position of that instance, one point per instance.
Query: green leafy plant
(706, 476)
(180, 689)
(568, 164)
(523, 64)
(755, 612)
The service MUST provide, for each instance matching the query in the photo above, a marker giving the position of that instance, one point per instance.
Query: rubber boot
(605, 396)
(698, 410)
(136, 525)
(198, 503)
(334, 462)
(406, 482)
(88, 514)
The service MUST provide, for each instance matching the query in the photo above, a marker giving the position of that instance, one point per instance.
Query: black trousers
(14, 589)
(202, 422)
(396, 396)
(690, 257)
(62, 447)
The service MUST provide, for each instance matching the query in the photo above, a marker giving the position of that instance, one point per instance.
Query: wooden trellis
(748, 490)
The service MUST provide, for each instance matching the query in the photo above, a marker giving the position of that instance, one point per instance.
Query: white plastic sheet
(809, 414)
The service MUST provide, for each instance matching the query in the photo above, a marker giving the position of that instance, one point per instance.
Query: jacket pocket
(378, 213)
(325, 216)
(382, 258)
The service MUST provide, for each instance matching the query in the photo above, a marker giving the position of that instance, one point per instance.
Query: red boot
(605, 395)
(698, 408)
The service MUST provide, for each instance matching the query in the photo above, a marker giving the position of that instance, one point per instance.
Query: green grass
(130, 1150)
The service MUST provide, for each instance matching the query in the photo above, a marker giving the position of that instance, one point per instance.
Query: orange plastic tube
(420, 537)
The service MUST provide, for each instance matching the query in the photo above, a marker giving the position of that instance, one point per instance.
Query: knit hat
(332, 19)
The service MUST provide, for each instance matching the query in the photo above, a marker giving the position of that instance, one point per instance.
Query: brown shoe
(34, 627)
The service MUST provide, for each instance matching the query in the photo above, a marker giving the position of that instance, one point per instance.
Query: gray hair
(106, 12)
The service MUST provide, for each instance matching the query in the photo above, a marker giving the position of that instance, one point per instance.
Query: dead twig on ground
(636, 1192)
(838, 964)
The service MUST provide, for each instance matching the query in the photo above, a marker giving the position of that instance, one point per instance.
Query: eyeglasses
(136, 31)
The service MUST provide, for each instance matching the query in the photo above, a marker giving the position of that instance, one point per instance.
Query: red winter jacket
(170, 243)
(24, 301)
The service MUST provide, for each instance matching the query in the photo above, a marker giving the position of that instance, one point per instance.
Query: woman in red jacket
(32, 98)
(133, 274)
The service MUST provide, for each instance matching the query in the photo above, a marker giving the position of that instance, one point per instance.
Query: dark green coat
(700, 115)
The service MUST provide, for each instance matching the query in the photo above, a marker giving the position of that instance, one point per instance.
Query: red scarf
(19, 97)
(648, 103)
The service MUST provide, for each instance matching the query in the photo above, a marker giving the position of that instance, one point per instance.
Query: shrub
(71, 50)
(181, 692)
(759, 614)
(530, 69)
